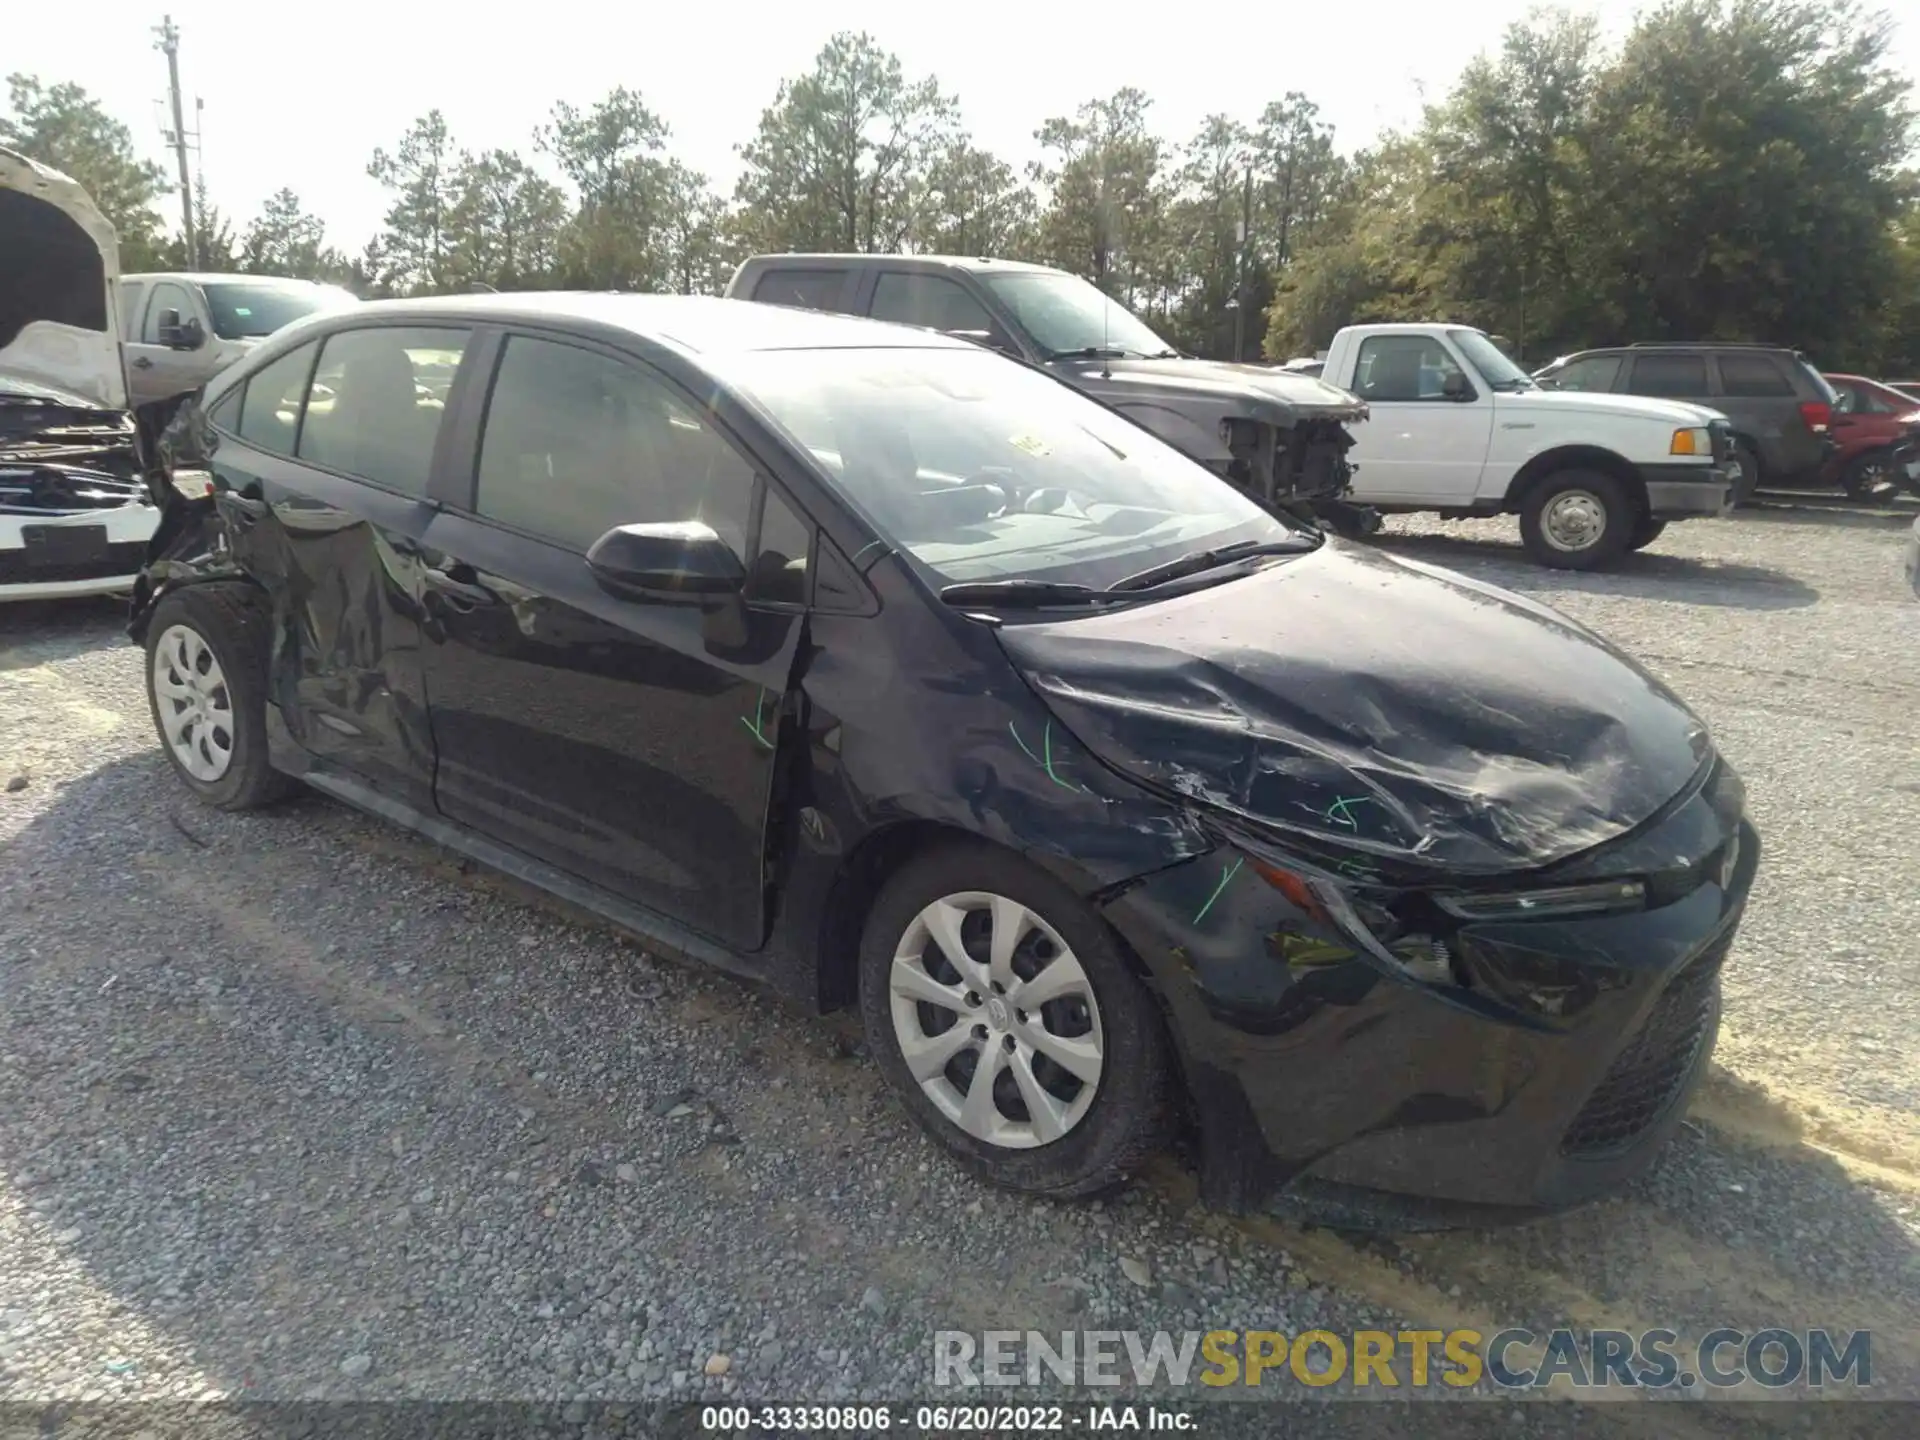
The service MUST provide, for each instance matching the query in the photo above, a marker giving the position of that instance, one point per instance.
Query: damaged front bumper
(75, 516)
(1527, 1053)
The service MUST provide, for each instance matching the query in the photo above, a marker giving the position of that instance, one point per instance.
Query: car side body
(1876, 432)
(1211, 779)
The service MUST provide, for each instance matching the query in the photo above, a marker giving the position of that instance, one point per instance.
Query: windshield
(247, 312)
(1491, 361)
(1066, 315)
(984, 470)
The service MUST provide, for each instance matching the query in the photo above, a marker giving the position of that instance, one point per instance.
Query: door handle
(141, 362)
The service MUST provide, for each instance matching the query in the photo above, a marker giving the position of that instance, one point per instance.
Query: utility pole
(169, 45)
(1246, 239)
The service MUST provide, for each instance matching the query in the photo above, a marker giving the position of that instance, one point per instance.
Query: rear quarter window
(1754, 377)
(816, 289)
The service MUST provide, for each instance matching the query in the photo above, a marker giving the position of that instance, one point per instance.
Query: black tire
(1871, 476)
(1646, 532)
(1618, 515)
(232, 621)
(1747, 481)
(1130, 1115)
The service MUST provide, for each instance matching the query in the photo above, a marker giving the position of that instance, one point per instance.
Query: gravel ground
(295, 1106)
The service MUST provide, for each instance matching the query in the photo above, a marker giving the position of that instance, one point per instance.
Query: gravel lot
(292, 1105)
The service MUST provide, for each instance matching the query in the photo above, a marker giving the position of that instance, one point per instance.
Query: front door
(1421, 444)
(156, 371)
(326, 484)
(630, 743)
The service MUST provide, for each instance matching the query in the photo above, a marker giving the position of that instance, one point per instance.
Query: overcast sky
(300, 95)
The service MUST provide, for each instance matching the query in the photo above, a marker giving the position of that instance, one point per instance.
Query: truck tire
(1577, 520)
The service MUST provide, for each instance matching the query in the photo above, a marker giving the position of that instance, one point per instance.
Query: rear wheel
(1872, 476)
(1577, 520)
(1002, 1013)
(207, 648)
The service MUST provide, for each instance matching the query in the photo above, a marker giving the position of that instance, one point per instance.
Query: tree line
(1731, 170)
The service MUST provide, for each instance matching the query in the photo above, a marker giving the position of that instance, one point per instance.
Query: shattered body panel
(1285, 793)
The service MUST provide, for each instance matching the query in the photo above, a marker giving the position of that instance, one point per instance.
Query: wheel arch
(1576, 457)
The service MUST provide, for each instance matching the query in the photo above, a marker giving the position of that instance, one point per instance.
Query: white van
(75, 516)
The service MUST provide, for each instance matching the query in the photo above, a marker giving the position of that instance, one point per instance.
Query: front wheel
(1747, 462)
(1646, 532)
(1577, 520)
(1002, 1013)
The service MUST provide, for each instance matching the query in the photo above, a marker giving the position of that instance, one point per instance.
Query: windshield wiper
(1027, 594)
(1090, 352)
(1197, 561)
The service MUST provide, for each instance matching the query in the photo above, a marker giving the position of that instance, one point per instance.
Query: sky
(300, 95)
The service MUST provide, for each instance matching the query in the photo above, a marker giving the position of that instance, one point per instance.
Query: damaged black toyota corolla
(893, 673)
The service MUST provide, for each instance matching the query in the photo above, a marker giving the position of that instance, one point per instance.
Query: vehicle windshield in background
(1067, 316)
(1491, 361)
(248, 312)
(982, 470)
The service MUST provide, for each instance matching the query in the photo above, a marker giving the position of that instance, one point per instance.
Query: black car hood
(1376, 705)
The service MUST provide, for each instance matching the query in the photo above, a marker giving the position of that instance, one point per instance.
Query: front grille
(123, 559)
(1648, 1074)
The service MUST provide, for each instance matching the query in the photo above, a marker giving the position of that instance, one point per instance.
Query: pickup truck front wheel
(1577, 520)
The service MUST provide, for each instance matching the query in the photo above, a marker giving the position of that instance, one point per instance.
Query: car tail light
(1818, 414)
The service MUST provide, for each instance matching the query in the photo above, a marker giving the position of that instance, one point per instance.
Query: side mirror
(176, 335)
(1455, 387)
(683, 560)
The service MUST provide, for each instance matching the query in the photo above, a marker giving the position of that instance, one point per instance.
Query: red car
(1877, 431)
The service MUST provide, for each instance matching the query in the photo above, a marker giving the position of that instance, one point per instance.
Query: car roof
(693, 324)
(847, 259)
(203, 277)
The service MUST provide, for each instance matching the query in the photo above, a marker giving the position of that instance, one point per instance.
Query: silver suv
(180, 330)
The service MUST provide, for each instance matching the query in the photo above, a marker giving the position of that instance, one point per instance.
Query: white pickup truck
(1456, 427)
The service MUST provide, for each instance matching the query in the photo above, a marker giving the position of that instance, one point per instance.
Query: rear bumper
(1684, 492)
(1553, 1076)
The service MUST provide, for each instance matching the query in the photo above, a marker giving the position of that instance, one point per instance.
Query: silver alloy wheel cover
(1000, 1013)
(1574, 520)
(195, 707)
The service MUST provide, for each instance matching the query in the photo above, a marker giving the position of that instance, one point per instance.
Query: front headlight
(1691, 442)
(1605, 898)
(1413, 953)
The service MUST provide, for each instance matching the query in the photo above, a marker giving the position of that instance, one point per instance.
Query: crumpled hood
(1117, 381)
(1387, 707)
(60, 326)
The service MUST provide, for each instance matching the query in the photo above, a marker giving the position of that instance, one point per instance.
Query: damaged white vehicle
(75, 516)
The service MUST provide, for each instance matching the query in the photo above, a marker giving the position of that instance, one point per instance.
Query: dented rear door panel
(342, 563)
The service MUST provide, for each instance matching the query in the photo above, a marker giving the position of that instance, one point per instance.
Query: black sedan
(891, 672)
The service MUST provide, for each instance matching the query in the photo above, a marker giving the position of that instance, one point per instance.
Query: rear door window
(270, 406)
(803, 289)
(1595, 373)
(377, 400)
(1676, 376)
(1754, 377)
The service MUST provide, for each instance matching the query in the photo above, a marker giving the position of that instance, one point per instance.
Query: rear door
(330, 451)
(1758, 393)
(630, 743)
